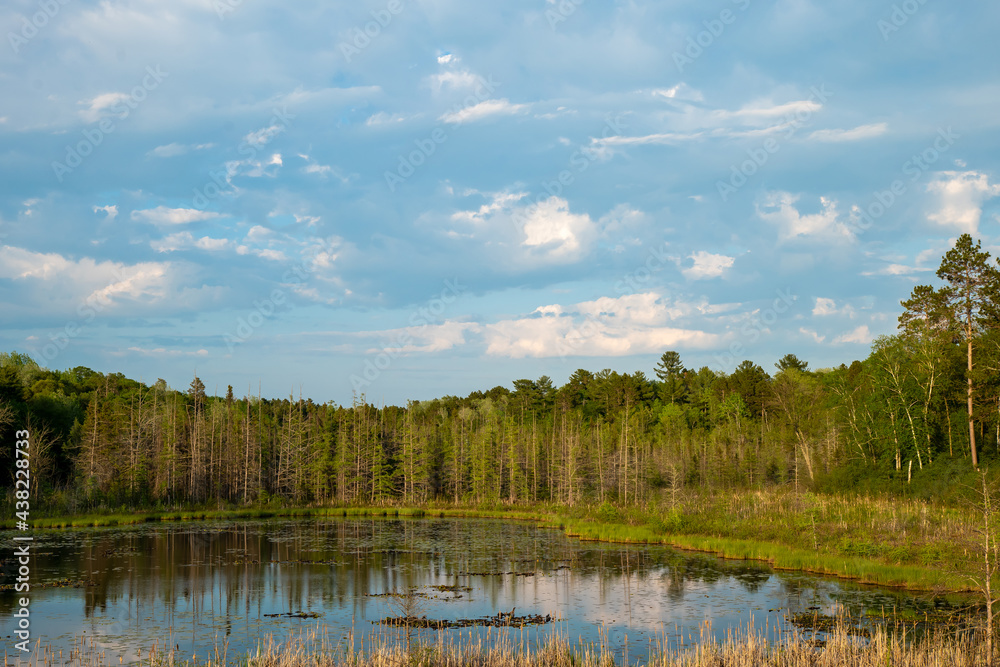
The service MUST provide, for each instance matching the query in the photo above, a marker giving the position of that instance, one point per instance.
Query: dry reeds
(745, 648)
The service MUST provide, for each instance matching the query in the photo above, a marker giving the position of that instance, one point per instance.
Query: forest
(918, 414)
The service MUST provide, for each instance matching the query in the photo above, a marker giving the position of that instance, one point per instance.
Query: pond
(195, 586)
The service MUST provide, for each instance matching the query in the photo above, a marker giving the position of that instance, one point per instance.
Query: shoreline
(779, 556)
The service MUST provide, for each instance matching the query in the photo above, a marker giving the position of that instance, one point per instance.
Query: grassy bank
(744, 649)
(885, 541)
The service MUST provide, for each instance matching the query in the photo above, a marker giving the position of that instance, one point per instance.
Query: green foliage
(608, 513)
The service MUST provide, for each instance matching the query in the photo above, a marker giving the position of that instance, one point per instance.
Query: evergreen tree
(969, 301)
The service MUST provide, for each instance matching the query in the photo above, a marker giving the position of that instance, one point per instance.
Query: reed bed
(743, 648)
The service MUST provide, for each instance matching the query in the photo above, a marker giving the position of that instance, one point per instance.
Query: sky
(408, 199)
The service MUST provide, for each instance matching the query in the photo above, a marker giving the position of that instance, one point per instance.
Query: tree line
(922, 408)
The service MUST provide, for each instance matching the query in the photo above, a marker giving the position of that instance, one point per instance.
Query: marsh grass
(742, 648)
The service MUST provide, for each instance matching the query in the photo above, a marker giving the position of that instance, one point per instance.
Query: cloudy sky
(413, 198)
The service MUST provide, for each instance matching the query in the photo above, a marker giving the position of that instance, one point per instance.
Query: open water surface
(195, 586)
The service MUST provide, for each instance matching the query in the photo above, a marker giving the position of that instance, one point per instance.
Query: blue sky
(414, 198)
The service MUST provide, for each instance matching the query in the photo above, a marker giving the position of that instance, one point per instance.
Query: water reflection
(192, 586)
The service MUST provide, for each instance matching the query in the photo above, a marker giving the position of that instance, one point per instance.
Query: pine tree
(970, 298)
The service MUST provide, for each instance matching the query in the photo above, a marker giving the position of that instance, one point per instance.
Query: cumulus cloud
(859, 336)
(162, 215)
(110, 211)
(826, 307)
(185, 240)
(86, 280)
(778, 209)
(959, 199)
(543, 232)
(706, 265)
(553, 230)
(609, 326)
(100, 106)
(812, 334)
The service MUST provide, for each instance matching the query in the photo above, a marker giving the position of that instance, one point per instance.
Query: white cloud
(274, 255)
(667, 138)
(86, 280)
(110, 211)
(763, 112)
(855, 134)
(184, 240)
(778, 208)
(404, 341)
(161, 215)
(424, 339)
(960, 197)
(175, 149)
(828, 307)
(168, 150)
(100, 106)
(825, 307)
(264, 135)
(707, 265)
(483, 110)
(860, 336)
(627, 325)
(383, 118)
(550, 228)
(681, 91)
(454, 79)
(897, 270)
(812, 334)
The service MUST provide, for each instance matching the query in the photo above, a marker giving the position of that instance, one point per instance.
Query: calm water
(194, 585)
